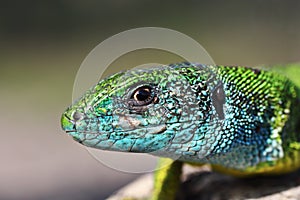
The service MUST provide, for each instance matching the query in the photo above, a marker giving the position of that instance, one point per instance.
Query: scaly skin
(240, 120)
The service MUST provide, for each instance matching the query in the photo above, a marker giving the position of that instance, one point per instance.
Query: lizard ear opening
(218, 99)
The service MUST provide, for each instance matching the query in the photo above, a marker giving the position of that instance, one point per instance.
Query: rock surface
(209, 185)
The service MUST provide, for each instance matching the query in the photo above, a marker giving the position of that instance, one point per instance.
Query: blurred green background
(43, 44)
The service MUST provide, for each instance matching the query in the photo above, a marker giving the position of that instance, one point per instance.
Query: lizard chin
(81, 136)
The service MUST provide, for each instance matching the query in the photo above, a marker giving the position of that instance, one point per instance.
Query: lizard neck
(253, 123)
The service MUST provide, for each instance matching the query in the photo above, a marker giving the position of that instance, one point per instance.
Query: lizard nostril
(77, 116)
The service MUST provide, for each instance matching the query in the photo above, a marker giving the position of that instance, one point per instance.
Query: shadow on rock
(215, 186)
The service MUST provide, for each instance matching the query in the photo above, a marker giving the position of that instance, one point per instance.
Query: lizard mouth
(149, 130)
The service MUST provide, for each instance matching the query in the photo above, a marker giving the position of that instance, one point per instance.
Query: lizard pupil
(142, 94)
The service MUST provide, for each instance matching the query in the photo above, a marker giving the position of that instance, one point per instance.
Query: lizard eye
(142, 96)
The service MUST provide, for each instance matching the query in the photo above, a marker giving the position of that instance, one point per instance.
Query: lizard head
(200, 113)
(140, 110)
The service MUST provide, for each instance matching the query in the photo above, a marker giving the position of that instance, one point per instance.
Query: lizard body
(242, 121)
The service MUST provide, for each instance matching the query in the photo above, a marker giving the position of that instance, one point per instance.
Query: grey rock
(207, 185)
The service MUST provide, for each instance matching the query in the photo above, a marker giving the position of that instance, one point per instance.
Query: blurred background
(43, 44)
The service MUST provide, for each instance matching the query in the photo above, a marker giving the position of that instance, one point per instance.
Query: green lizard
(242, 121)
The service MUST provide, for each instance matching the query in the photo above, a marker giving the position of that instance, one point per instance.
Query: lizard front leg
(167, 179)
